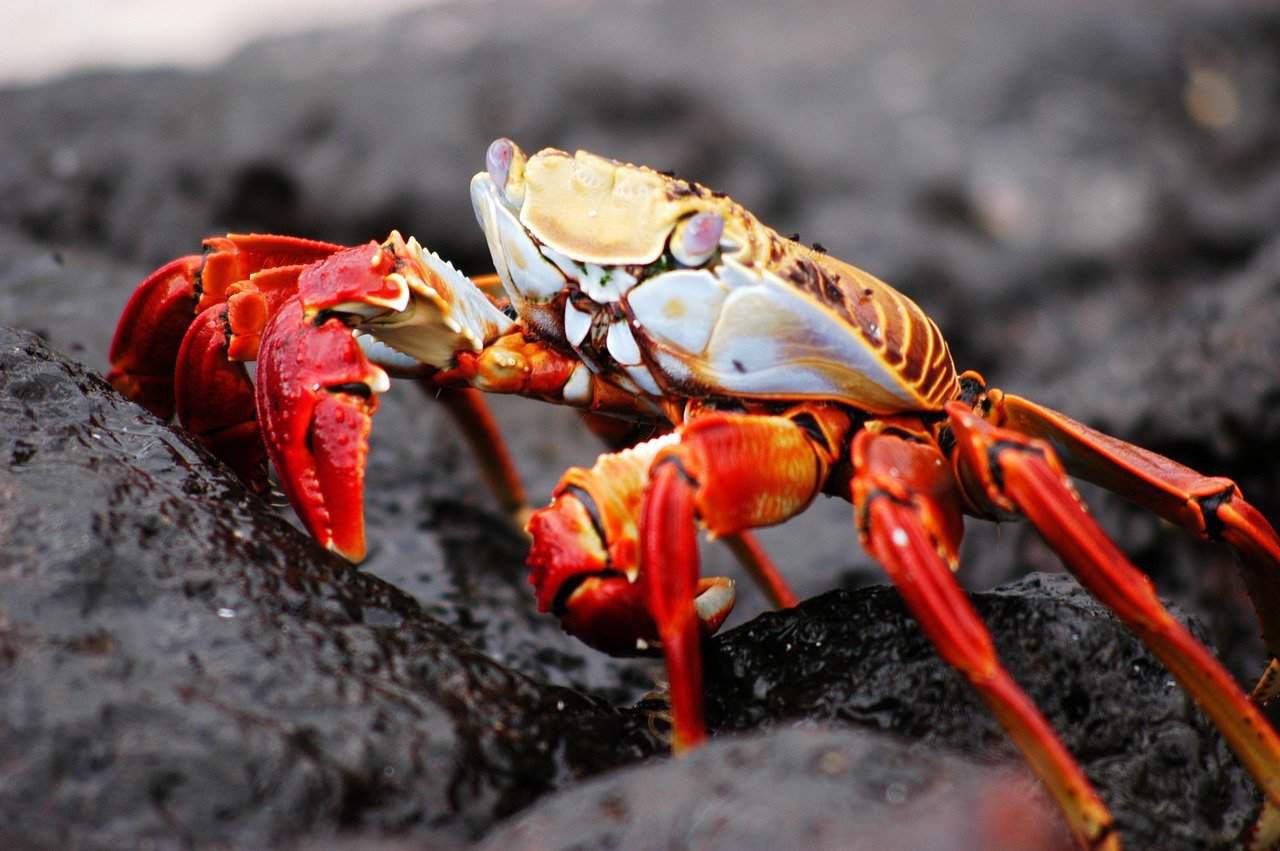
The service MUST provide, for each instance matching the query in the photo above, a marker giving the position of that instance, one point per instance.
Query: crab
(770, 372)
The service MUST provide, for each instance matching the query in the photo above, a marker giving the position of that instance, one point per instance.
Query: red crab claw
(315, 383)
(213, 398)
(584, 562)
(315, 401)
(144, 351)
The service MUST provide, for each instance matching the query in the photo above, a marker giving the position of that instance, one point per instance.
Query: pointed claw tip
(352, 551)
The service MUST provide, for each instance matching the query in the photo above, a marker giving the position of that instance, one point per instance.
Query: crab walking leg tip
(1027, 473)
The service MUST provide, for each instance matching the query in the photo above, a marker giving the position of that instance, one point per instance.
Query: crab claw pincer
(315, 396)
(584, 570)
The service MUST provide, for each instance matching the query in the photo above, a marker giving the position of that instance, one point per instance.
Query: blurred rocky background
(1084, 196)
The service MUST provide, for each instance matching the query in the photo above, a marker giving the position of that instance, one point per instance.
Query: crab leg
(619, 433)
(1210, 506)
(144, 350)
(910, 520)
(733, 472)
(213, 398)
(149, 334)
(1008, 471)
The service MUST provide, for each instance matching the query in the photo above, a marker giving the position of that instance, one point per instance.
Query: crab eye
(696, 238)
(505, 163)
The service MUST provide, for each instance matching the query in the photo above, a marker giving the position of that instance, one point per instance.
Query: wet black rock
(818, 789)
(180, 667)
(859, 658)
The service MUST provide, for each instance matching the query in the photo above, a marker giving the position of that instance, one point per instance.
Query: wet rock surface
(180, 667)
(859, 658)
(826, 790)
(1084, 198)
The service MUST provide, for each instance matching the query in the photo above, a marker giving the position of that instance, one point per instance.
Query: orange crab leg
(910, 520)
(618, 433)
(734, 472)
(762, 569)
(1011, 471)
(234, 257)
(1210, 506)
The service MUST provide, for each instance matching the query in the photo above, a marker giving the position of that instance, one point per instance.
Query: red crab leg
(236, 256)
(618, 433)
(212, 391)
(1010, 471)
(733, 471)
(910, 520)
(315, 403)
(1210, 506)
(149, 334)
(669, 553)
(213, 398)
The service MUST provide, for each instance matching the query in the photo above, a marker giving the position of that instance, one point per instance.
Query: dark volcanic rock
(823, 790)
(180, 667)
(858, 657)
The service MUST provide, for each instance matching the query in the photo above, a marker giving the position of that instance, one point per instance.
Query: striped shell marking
(587, 249)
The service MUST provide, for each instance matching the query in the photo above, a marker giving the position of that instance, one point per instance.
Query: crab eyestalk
(504, 161)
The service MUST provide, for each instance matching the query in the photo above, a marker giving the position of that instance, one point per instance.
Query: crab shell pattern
(668, 289)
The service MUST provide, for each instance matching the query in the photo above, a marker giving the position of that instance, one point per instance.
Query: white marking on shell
(605, 285)
(570, 267)
(483, 203)
(644, 379)
(363, 309)
(771, 340)
(679, 308)
(673, 366)
(577, 390)
(526, 276)
(576, 324)
(622, 345)
(534, 278)
(899, 537)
